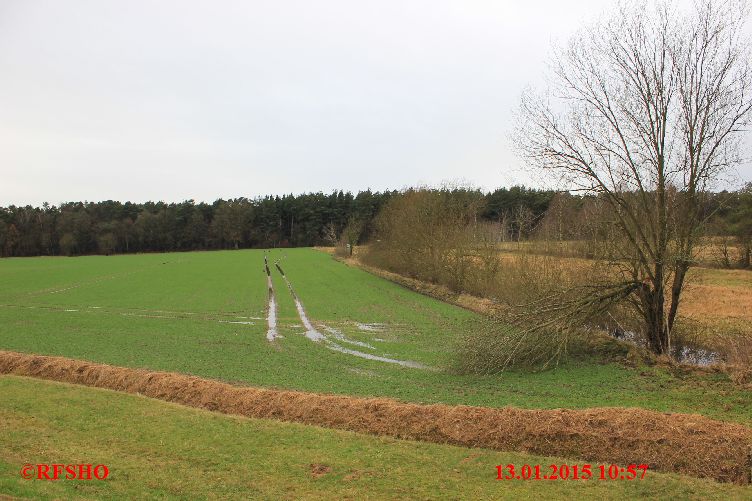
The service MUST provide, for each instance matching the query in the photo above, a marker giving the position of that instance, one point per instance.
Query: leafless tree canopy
(645, 111)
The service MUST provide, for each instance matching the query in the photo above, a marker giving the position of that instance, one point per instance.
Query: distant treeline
(109, 227)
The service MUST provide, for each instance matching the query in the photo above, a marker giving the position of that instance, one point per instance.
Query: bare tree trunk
(652, 298)
(676, 289)
(746, 260)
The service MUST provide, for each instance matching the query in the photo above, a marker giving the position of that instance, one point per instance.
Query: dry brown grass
(681, 443)
(326, 250)
(470, 302)
(719, 303)
(725, 294)
(707, 253)
(719, 300)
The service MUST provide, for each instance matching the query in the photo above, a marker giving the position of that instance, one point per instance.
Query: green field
(158, 450)
(176, 312)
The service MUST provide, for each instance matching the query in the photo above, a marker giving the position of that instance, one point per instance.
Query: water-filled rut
(271, 316)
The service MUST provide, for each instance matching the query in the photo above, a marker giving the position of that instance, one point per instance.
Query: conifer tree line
(80, 228)
(111, 227)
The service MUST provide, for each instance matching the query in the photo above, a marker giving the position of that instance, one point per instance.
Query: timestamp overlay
(570, 472)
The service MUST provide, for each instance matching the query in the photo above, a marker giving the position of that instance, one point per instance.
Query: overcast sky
(173, 100)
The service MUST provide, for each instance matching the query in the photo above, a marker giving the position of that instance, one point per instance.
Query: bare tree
(432, 235)
(330, 234)
(351, 234)
(645, 112)
(523, 219)
(505, 222)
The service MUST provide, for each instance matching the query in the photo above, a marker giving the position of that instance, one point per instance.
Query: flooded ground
(685, 354)
(271, 317)
(315, 335)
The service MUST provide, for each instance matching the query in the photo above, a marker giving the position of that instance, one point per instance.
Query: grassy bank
(166, 451)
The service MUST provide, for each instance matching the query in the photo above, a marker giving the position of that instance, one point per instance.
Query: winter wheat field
(289, 374)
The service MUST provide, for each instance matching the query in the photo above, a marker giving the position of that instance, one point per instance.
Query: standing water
(271, 318)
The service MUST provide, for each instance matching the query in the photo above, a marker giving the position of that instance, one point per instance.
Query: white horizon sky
(175, 100)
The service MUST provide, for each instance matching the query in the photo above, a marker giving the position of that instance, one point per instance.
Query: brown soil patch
(319, 470)
(681, 443)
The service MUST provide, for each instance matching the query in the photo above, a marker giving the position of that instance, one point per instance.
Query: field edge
(680, 443)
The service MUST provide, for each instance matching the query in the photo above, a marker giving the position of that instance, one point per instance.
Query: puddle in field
(697, 356)
(687, 354)
(176, 312)
(271, 318)
(271, 333)
(141, 313)
(311, 332)
(336, 334)
(58, 291)
(404, 363)
(86, 283)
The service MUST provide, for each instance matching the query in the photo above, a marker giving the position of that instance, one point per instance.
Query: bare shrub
(433, 235)
(736, 349)
(349, 238)
(553, 308)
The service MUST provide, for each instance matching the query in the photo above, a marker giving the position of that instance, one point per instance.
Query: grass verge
(157, 450)
(681, 443)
